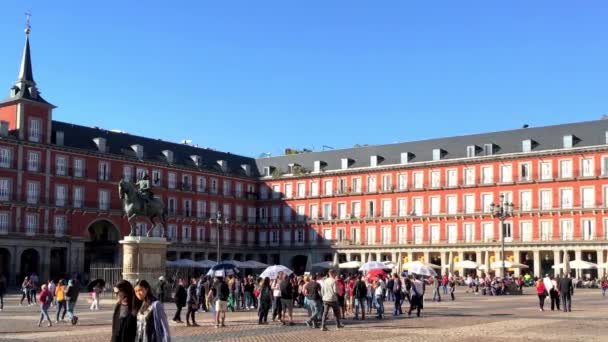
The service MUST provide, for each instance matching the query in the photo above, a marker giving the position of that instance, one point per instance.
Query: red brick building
(60, 211)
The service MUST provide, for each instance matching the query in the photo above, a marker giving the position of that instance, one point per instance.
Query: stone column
(461, 259)
(427, 257)
(378, 256)
(478, 259)
(536, 254)
(516, 259)
(15, 266)
(600, 260)
(556, 261)
(410, 256)
(363, 258)
(444, 262)
(348, 257)
(45, 263)
(394, 258)
(578, 256)
(144, 258)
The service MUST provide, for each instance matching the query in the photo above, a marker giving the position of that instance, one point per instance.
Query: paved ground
(470, 318)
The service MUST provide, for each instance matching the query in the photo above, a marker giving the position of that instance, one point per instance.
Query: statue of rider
(143, 186)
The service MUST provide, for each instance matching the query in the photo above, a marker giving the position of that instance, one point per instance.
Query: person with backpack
(45, 302)
(417, 294)
(312, 291)
(360, 297)
(396, 289)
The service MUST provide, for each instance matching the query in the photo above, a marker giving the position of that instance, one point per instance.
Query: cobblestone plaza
(469, 318)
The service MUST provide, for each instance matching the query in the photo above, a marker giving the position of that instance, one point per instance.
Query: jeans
(262, 314)
(415, 303)
(26, 293)
(276, 308)
(379, 306)
(190, 314)
(370, 302)
(566, 302)
(398, 310)
(445, 289)
(316, 308)
(178, 313)
(436, 294)
(360, 303)
(71, 305)
(44, 313)
(249, 300)
(541, 301)
(335, 309)
(604, 291)
(61, 304)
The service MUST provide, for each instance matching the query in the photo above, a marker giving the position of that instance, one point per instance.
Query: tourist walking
(25, 289)
(192, 303)
(541, 291)
(161, 288)
(329, 293)
(436, 292)
(248, 292)
(370, 296)
(379, 297)
(397, 293)
(603, 284)
(45, 302)
(264, 301)
(97, 289)
(152, 322)
(452, 286)
(51, 288)
(312, 290)
(180, 298)
(221, 293)
(276, 297)
(35, 282)
(416, 301)
(360, 297)
(341, 295)
(71, 296)
(124, 321)
(2, 290)
(60, 298)
(286, 300)
(554, 294)
(566, 291)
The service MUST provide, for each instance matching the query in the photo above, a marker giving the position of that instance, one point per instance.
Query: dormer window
(318, 165)
(268, 171)
(345, 163)
(247, 169)
(471, 151)
(101, 144)
(406, 157)
(568, 141)
(139, 151)
(223, 165)
(375, 160)
(197, 160)
(526, 145)
(59, 138)
(168, 156)
(438, 154)
(488, 149)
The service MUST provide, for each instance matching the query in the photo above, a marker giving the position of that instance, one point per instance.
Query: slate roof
(589, 133)
(119, 144)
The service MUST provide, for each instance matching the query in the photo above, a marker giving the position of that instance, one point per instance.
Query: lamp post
(502, 210)
(218, 225)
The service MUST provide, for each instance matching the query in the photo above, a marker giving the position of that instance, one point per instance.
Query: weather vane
(28, 27)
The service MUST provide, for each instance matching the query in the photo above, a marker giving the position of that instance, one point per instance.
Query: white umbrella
(579, 265)
(421, 269)
(467, 264)
(508, 264)
(236, 263)
(206, 263)
(254, 264)
(324, 264)
(417, 263)
(350, 264)
(389, 264)
(372, 265)
(273, 271)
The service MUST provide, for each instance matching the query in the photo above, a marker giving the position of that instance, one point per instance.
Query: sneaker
(323, 329)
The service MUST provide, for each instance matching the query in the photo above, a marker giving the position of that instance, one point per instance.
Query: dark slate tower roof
(25, 87)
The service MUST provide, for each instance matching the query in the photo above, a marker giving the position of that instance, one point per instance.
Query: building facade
(60, 211)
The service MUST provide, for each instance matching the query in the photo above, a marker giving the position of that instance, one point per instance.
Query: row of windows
(201, 234)
(390, 182)
(32, 222)
(450, 204)
(546, 230)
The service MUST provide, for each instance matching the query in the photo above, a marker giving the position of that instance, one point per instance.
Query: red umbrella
(373, 274)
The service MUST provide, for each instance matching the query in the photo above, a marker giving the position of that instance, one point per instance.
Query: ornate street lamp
(218, 221)
(502, 210)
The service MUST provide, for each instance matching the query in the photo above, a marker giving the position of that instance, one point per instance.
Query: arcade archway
(102, 249)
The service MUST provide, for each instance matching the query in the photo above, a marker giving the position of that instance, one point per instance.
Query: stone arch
(298, 264)
(30, 263)
(5, 263)
(101, 247)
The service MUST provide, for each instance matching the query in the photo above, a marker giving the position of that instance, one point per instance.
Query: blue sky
(259, 76)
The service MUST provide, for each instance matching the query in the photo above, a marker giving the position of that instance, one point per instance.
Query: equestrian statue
(138, 200)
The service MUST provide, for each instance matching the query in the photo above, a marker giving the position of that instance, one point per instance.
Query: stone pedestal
(143, 258)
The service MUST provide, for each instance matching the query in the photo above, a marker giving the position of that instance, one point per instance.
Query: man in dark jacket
(180, 301)
(360, 294)
(71, 295)
(192, 303)
(566, 290)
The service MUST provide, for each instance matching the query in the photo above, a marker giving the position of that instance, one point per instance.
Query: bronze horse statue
(135, 206)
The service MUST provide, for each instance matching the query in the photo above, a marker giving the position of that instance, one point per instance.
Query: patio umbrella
(508, 264)
(222, 270)
(206, 263)
(375, 273)
(350, 264)
(324, 264)
(566, 263)
(372, 265)
(389, 264)
(254, 264)
(422, 269)
(467, 264)
(236, 263)
(272, 272)
(578, 265)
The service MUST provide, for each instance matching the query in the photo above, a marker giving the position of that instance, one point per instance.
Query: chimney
(101, 144)
(59, 138)
(3, 128)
